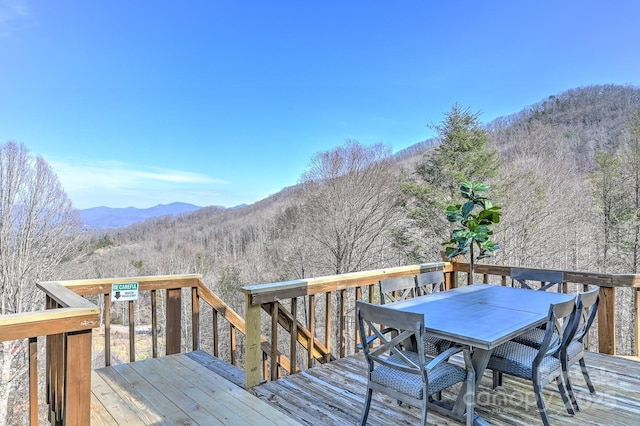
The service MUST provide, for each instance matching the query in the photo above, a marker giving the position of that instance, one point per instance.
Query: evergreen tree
(462, 154)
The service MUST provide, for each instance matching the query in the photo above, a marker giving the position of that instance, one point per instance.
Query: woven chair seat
(517, 359)
(440, 377)
(532, 337)
(541, 364)
(434, 345)
(574, 350)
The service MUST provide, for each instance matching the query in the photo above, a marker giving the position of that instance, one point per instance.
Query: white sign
(124, 291)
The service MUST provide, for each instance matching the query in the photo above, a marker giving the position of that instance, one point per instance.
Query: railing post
(55, 376)
(107, 330)
(606, 321)
(254, 352)
(312, 329)
(33, 381)
(450, 280)
(77, 395)
(274, 341)
(174, 320)
(343, 322)
(293, 344)
(132, 333)
(637, 327)
(154, 325)
(195, 319)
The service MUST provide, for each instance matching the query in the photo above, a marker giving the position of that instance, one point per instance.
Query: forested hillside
(582, 120)
(567, 175)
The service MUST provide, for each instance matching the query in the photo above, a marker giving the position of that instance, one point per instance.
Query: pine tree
(462, 154)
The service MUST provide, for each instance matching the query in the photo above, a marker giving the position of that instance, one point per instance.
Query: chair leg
(367, 405)
(567, 382)
(497, 379)
(585, 373)
(425, 403)
(541, 407)
(565, 397)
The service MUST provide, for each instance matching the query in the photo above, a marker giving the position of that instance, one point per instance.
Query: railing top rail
(88, 287)
(64, 296)
(46, 322)
(75, 314)
(144, 278)
(582, 277)
(270, 292)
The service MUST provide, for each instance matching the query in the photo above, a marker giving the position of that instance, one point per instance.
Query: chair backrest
(407, 324)
(587, 308)
(429, 282)
(546, 279)
(398, 288)
(558, 329)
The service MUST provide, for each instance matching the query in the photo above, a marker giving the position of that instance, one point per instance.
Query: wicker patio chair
(573, 350)
(429, 282)
(525, 278)
(542, 365)
(401, 288)
(409, 376)
(397, 288)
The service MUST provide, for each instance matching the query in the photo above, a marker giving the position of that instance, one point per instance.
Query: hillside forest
(566, 172)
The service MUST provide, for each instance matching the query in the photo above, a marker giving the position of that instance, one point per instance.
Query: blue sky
(138, 103)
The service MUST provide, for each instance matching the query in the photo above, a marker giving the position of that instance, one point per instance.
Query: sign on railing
(124, 291)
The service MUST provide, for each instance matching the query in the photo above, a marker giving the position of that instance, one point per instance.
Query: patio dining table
(481, 316)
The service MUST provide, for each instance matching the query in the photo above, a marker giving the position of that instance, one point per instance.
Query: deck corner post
(637, 327)
(174, 321)
(77, 395)
(253, 356)
(606, 321)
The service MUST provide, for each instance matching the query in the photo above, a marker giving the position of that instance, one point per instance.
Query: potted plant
(476, 217)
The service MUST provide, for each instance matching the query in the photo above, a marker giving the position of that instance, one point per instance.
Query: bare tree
(633, 157)
(349, 202)
(546, 220)
(611, 204)
(38, 227)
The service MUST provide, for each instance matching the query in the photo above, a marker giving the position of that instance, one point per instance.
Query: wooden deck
(197, 388)
(180, 389)
(333, 394)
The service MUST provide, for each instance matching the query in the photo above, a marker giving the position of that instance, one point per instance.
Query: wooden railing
(67, 322)
(173, 286)
(338, 293)
(69, 319)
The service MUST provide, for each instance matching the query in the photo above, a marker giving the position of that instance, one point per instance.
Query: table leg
(479, 360)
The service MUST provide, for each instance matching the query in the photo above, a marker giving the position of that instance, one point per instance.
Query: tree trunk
(472, 265)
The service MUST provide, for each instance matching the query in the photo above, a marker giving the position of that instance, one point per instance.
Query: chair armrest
(374, 337)
(444, 356)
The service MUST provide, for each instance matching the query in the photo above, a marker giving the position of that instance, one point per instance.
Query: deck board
(333, 394)
(175, 390)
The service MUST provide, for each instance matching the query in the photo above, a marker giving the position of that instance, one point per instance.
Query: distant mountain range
(107, 217)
